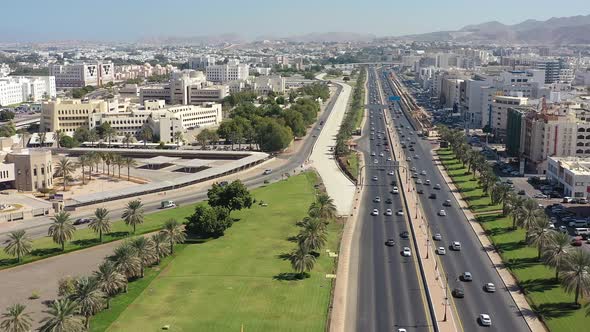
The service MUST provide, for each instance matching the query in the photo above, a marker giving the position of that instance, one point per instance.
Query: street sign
(394, 98)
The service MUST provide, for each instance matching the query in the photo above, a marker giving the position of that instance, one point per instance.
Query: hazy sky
(128, 20)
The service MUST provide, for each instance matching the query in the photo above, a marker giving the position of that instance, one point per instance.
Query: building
(515, 130)
(582, 77)
(69, 115)
(80, 74)
(228, 72)
(556, 70)
(32, 169)
(185, 87)
(570, 173)
(500, 105)
(201, 62)
(19, 89)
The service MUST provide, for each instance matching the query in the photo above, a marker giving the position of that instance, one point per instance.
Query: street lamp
(446, 295)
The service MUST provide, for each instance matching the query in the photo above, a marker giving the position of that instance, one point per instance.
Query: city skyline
(134, 20)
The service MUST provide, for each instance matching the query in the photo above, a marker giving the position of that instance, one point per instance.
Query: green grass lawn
(239, 279)
(353, 164)
(83, 238)
(545, 295)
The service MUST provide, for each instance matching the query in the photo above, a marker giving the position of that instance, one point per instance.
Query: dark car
(458, 292)
(389, 201)
(432, 196)
(404, 235)
(420, 191)
(81, 221)
(521, 192)
(390, 243)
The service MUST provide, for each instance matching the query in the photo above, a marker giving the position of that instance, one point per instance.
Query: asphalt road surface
(454, 227)
(390, 294)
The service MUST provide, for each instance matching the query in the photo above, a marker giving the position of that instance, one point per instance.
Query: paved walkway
(338, 186)
(509, 281)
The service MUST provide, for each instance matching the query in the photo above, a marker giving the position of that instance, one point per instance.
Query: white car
(419, 181)
(395, 190)
(416, 157)
(437, 186)
(442, 213)
(388, 212)
(437, 237)
(423, 172)
(375, 178)
(375, 161)
(485, 320)
(406, 252)
(408, 159)
(267, 171)
(540, 196)
(456, 245)
(388, 158)
(490, 287)
(427, 182)
(375, 212)
(373, 154)
(381, 154)
(391, 173)
(413, 169)
(399, 213)
(441, 251)
(377, 199)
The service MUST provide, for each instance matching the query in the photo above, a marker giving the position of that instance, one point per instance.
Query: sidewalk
(442, 302)
(509, 281)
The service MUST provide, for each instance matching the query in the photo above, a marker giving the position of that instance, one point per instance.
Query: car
(437, 237)
(466, 276)
(441, 251)
(427, 182)
(377, 199)
(419, 181)
(539, 195)
(390, 173)
(447, 202)
(406, 252)
(375, 161)
(521, 192)
(437, 186)
(404, 235)
(390, 242)
(432, 196)
(563, 229)
(81, 221)
(167, 204)
(375, 178)
(388, 158)
(423, 172)
(490, 287)
(411, 149)
(381, 154)
(458, 292)
(509, 181)
(389, 201)
(375, 212)
(416, 156)
(420, 191)
(373, 154)
(485, 320)
(395, 190)
(414, 175)
(413, 169)
(400, 212)
(388, 212)
(408, 159)
(442, 213)
(267, 171)
(456, 245)
(393, 182)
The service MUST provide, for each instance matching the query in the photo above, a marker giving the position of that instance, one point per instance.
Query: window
(34, 171)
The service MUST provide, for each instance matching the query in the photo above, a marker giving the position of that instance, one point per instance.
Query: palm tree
(575, 275)
(93, 136)
(528, 214)
(61, 230)
(118, 161)
(42, 139)
(57, 137)
(109, 133)
(146, 133)
(174, 232)
(513, 208)
(126, 261)
(324, 207)
(313, 236)
(133, 214)
(63, 317)
(65, 167)
(499, 193)
(15, 319)
(129, 162)
(107, 158)
(128, 139)
(144, 249)
(301, 261)
(540, 235)
(100, 223)
(110, 280)
(555, 253)
(161, 249)
(89, 297)
(18, 244)
(83, 161)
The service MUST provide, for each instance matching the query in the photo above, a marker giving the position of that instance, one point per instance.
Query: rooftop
(578, 166)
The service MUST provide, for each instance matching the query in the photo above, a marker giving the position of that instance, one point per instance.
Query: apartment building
(570, 173)
(19, 89)
(226, 73)
(80, 74)
(500, 106)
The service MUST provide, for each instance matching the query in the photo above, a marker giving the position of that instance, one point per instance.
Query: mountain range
(554, 31)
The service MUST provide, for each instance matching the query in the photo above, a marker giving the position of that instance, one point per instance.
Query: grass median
(545, 295)
(240, 279)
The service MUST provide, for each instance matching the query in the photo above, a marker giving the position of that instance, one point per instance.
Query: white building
(18, 89)
(80, 74)
(201, 62)
(227, 73)
(500, 105)
(582, 77)
(185, 87)
(571, 173)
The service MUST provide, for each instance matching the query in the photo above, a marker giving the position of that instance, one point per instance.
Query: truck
(167, 204)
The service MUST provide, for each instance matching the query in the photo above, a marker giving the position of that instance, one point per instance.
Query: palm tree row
(92, 294)
(313, 234)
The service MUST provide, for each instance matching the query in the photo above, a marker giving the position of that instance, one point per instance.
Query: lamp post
(446, 296)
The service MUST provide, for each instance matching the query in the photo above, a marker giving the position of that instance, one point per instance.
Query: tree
(528, 214)
(234, 196)
(575, 275)
(144, 249)
(61, 230)
(204, 137)
(15, 319)
(128, 139)
(161, 248)
(499, 193)
(89, 297)
(6, 115)
(146, 134)
(65, 167)
(556, 252)
(129, 162)
(81, 134)
(63, 317)
(118, 161)
(178, 137)
(301, 261)
(272, 136)
(174, 233)
(313, 235)
(66, 286)
(18, 244)
(93, 136)
(294, 120)
(126, 261)
(110, 280)
(84, 161)
(323, 207)
(133, 214)
(207, 221)
(101, 222)
(540, 235)
(513, 208)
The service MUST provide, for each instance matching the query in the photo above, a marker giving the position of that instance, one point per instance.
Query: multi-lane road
(392, 288)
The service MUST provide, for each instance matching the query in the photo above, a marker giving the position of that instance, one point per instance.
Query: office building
(68, 115)
(227, 73)
(201, 62)
(80, 74)
(32, 169)
(570, 173)
(185, 87)
(500, 106)
(19, 89)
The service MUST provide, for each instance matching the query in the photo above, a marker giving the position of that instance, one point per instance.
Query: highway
(390, 293)
(38, 227)
(454, 226)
